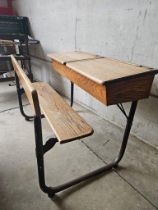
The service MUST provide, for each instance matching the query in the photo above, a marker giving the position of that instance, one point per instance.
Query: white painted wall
(121, 29)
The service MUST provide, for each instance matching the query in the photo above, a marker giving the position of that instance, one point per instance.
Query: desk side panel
(93, 88)
(129, 90)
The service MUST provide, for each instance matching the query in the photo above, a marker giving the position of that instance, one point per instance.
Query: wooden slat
(24, 81)
(65, 122)
(27, 85)
(103, 70)
(71, 56)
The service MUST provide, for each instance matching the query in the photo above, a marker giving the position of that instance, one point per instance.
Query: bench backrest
(30, 91)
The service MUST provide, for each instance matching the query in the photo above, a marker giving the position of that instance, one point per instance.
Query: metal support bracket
(120, 106)
(49, 144)
(21, 91)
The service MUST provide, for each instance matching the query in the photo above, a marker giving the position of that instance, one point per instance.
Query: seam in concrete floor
(16, 107)
(112, 122)
(94, 153)
(115, 171)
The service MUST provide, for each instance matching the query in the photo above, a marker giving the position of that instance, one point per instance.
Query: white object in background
(17, 43)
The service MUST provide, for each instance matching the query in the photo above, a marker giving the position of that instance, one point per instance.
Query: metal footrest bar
(82, 178)
(40, 156)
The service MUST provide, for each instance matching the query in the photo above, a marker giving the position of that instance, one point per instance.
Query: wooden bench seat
(64, 121)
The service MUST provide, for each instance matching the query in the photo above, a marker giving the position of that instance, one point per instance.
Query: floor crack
(116, 171)
(105, 143)
(13, 108)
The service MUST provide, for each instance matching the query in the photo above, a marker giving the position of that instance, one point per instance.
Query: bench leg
(40, 151)
(19, 93)
(40, 156)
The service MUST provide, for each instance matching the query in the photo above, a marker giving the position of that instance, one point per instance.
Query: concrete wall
(121, 29)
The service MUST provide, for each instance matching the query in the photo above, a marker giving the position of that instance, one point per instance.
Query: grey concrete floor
(134, 185)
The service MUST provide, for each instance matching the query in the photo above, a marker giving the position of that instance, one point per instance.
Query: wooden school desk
(109, 81)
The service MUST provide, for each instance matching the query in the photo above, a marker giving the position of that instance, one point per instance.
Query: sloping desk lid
(67, 57)
(104, 70)
(99, 69)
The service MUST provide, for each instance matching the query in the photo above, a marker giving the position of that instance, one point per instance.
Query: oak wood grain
(27, 85)
(64, 121)
(113, 92)
(129, 90)
(95, 89)
(103, 70)
(71, 56)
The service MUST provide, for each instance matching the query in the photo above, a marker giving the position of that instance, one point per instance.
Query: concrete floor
(133, 186)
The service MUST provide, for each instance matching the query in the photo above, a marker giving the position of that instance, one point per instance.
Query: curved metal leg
(19, 93)
(40, 151)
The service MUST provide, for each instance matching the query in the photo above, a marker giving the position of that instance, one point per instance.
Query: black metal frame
(72, 94)
(20, 91)
(23, 54)
(42, 149)
(24, 50)
(17, 27)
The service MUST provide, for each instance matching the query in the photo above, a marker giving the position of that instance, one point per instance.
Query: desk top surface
(68, 57)
(100, 69)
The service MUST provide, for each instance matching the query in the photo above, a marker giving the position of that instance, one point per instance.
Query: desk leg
(40, 153)
(126, 132)
(72, 94)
